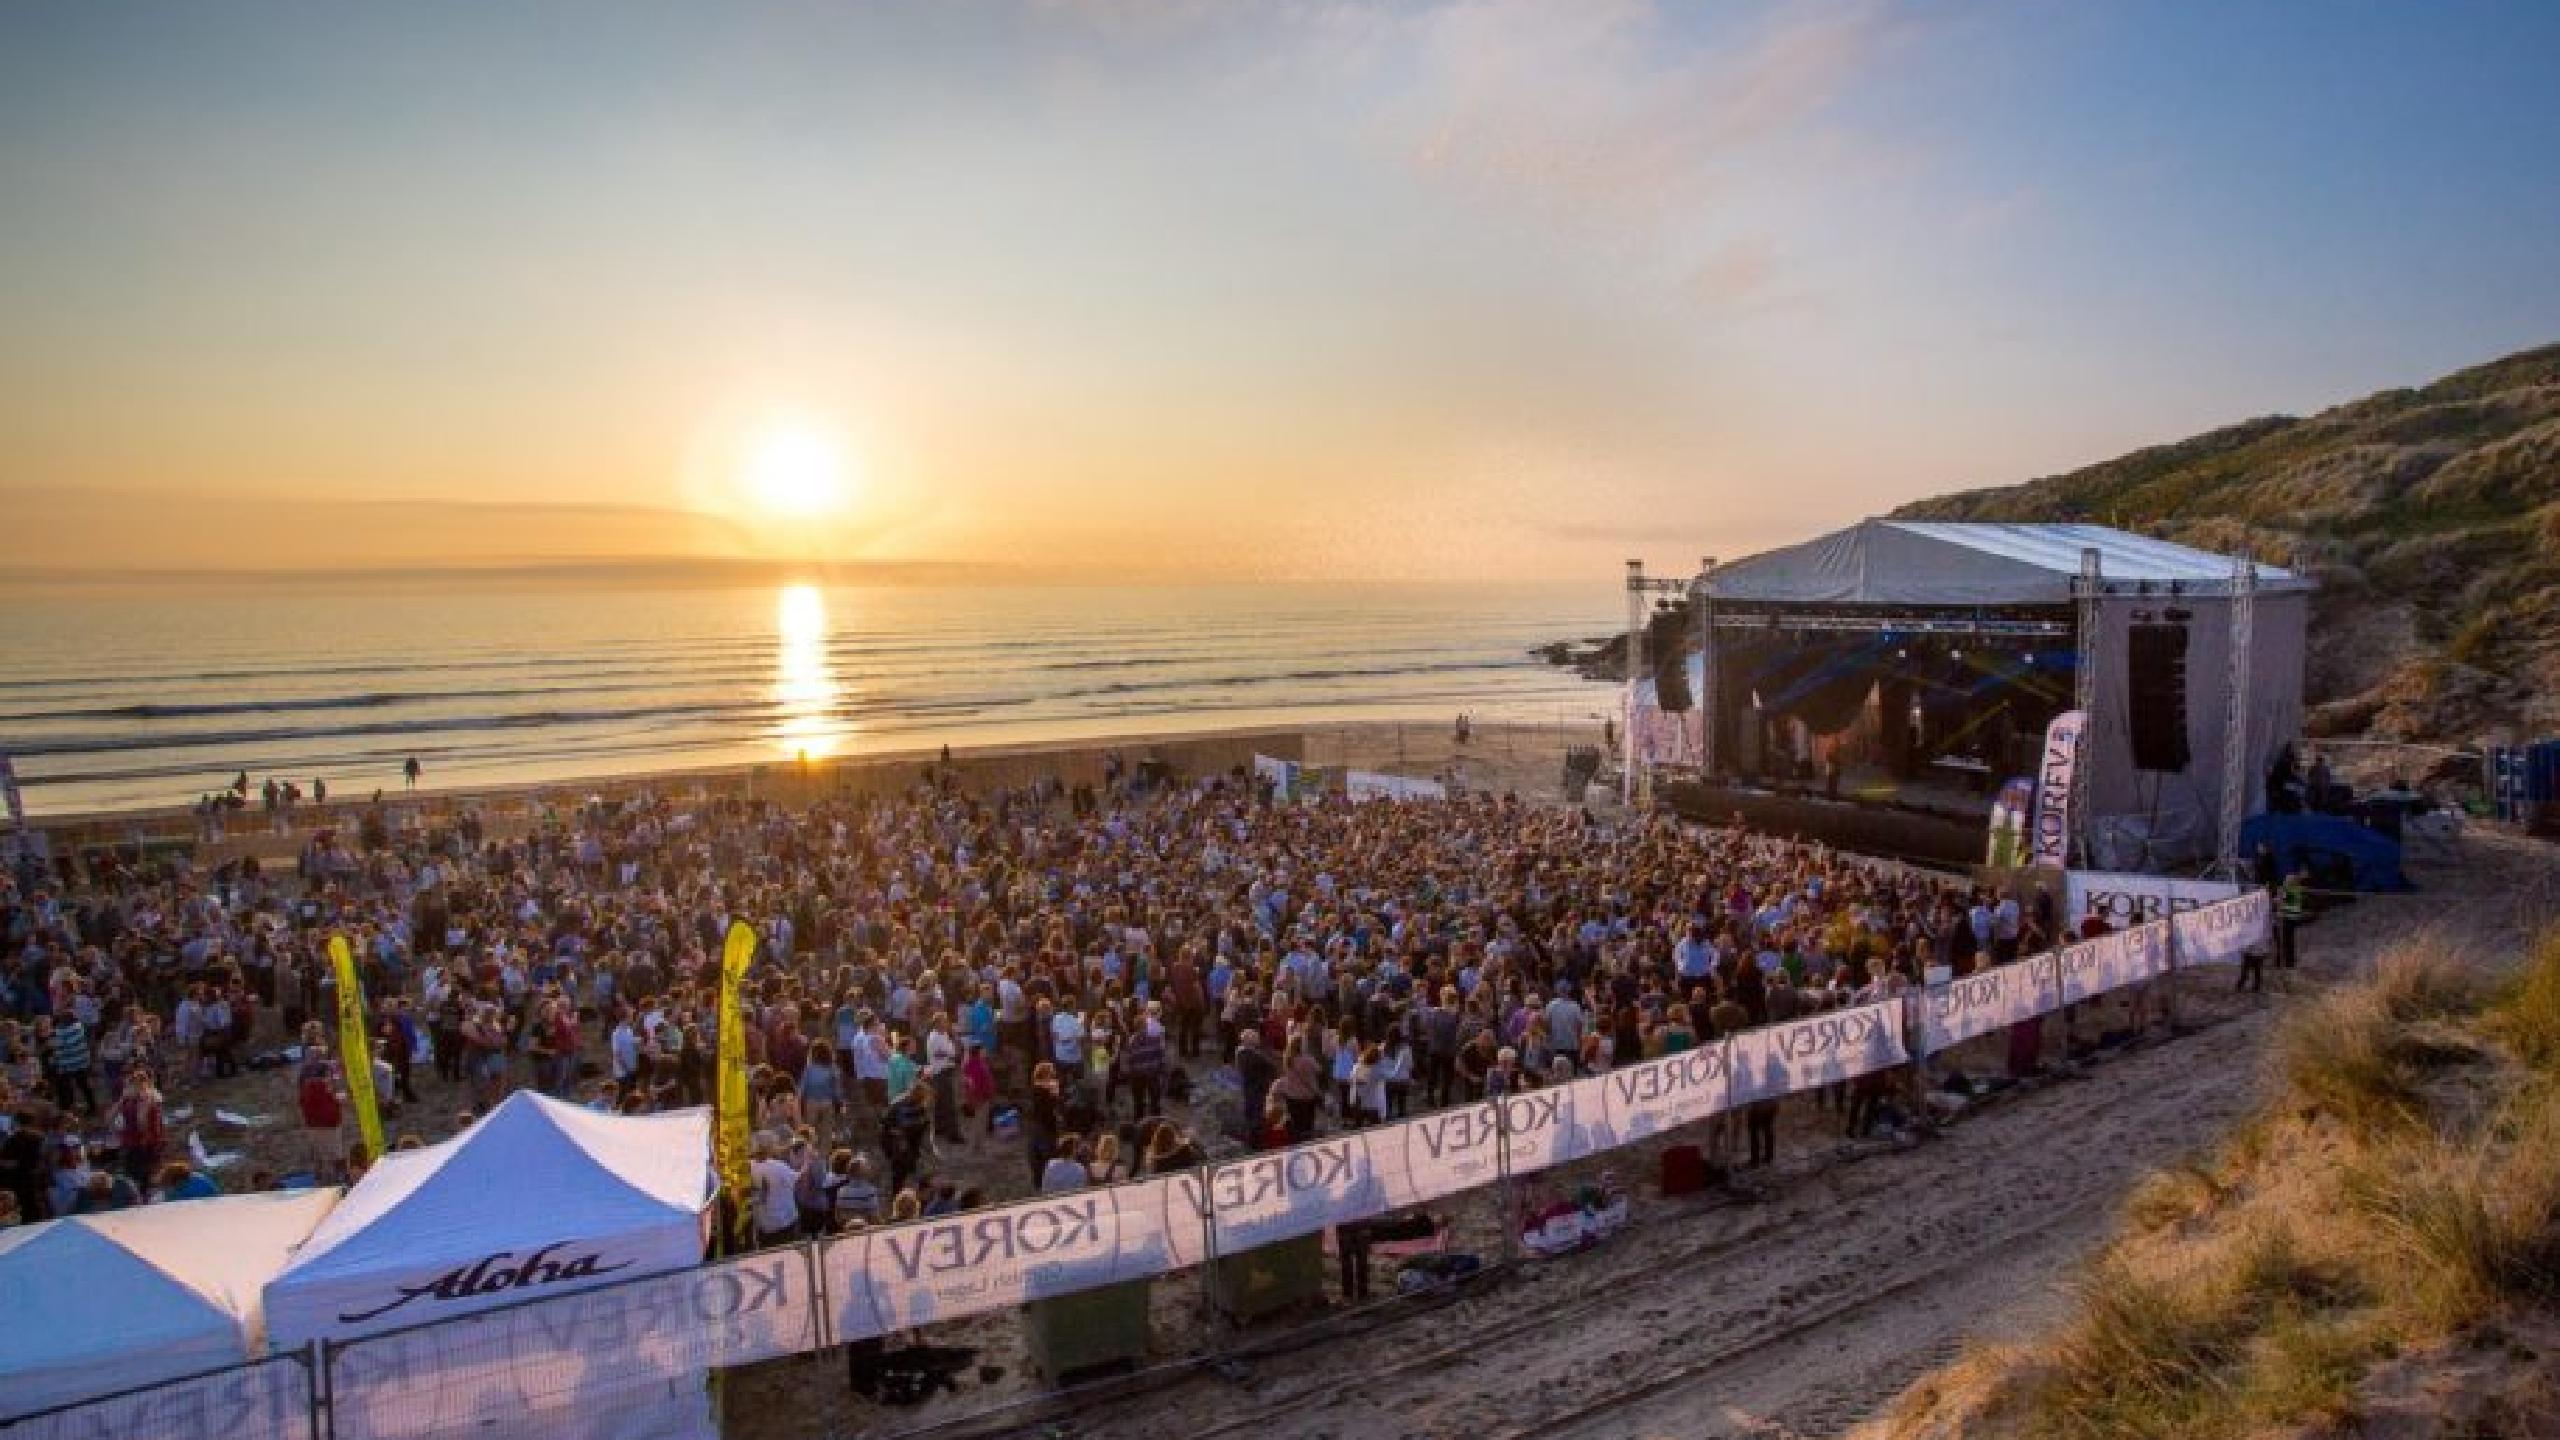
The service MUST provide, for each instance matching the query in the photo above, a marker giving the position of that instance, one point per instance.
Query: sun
(794, 470)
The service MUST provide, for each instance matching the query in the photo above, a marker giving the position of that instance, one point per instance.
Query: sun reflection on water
(805, 688)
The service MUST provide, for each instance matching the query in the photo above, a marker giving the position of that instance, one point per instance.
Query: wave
(1283, 677)
(190, 710)
(157, 710)
(1118, 697)
(106, 745)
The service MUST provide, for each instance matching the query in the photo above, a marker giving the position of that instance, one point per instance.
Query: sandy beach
(1497, 757)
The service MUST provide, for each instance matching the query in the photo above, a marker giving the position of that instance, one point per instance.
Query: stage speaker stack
(2156, 665)
(1667, 642)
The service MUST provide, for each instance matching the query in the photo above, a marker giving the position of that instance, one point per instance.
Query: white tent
(100, 1303)
(540, 1198)
(1884, 566)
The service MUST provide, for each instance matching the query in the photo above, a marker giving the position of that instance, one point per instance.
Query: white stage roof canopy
(1913, 562)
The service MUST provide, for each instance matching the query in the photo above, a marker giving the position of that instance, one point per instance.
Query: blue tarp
(2329, 846)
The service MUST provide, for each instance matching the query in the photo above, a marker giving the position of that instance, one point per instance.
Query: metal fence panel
(269, 1400)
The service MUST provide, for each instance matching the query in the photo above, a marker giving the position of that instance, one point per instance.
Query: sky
(1299, 289)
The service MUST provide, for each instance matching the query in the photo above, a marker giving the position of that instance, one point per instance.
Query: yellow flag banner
(353, 1048)
(732, 1142)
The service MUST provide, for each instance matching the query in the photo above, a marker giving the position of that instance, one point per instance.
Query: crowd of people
(958, 996)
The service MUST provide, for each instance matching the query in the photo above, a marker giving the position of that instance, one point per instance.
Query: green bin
(1269, 1278)
(1089, 1330)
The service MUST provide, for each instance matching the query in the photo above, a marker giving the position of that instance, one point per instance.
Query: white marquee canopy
(101, 1303)
(539, 1198)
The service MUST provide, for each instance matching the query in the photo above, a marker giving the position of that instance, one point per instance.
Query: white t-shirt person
(777, 1203)
(1066, 1037)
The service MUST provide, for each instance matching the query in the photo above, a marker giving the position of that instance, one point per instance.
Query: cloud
(1600, 113)
(1738, 273)
(1670, 144)
(1603, 112)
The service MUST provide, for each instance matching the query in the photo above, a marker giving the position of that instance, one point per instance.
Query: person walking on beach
(410, 771)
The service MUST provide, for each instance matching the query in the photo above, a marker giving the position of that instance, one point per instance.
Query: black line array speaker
(1666, 641)
(2156, 705)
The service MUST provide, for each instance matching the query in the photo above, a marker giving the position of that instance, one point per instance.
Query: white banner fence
(629, 1359)
(615, 1360)
(2123, 900)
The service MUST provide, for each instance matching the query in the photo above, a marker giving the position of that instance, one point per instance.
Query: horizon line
(732, 570)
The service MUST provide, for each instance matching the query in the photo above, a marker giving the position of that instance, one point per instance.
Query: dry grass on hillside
(2378, 1253)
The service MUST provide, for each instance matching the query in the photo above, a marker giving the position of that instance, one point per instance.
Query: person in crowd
(942, 1078)
(1300, 1091)
(1066, 1169)
(1042, 1120)
(1395, 1072)
(978, 1085)
(67, 1060)
(397, 1035)
(852, 1199)
(2293, 910)
(106, 1191)
(1143, 1060)
(26, 1166)
(319, 1097)
(1257, 1071)
(906, 1131)
(141, 1127)
(1367, 1088)
(777, 1196)
(179, 1180)
(821, 1091)
(811, 1189)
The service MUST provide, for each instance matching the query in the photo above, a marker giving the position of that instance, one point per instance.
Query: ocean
(111, 702)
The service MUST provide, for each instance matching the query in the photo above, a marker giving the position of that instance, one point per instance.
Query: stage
(1879, 687)
(1928, 827)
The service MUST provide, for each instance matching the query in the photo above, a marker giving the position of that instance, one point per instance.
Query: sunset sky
(1291, 289)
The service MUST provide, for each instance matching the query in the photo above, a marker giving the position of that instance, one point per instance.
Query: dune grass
(2528, 1017)
(2362, 1053)
(2468, 1223)
(2428, 978)
(2403, 1189)
(2142, 1360)
(2341, 1054)
(2271, 1329)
